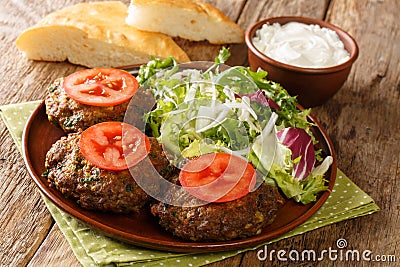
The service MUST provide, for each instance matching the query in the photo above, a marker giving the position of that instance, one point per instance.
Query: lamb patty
(72, 116)
(98, 189)
(239, 218)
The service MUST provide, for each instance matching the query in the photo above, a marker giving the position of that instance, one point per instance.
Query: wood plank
(24, 223)
(362, 120)
(255, 10)
(231, 8)
(54, 249)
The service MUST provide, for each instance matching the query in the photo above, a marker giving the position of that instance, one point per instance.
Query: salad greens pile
(208, 107)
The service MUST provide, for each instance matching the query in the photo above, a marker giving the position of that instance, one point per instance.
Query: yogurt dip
(302, 45)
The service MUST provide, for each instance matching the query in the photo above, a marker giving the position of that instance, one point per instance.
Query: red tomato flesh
(101, 86)
(114, 145)
(218, 177)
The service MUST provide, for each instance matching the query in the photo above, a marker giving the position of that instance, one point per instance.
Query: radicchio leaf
(301, 145)
(259, 96)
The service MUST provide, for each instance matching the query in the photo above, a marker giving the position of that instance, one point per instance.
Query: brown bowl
(312, 86)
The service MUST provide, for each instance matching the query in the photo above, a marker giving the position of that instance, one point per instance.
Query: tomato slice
(100, 86)
(218, 177)
(114, 145)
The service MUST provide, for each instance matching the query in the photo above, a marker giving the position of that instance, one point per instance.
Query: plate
(142, 229)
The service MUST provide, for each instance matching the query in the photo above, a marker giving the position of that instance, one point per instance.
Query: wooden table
(362, 121)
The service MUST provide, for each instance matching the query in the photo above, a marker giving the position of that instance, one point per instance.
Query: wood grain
(54, 248)
(362, 120)
(256, 10)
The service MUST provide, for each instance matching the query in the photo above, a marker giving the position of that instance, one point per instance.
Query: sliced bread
(95, 35)
(188, 19)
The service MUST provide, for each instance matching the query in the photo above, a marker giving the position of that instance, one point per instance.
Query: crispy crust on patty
(72, 116)
(239, 218)
(94, 188)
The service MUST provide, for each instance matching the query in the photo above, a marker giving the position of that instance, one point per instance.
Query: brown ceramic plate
(142, 229)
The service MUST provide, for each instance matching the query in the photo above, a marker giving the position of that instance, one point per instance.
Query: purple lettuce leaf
(301, 145)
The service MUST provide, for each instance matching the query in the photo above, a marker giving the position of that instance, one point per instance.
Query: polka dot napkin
(94, 249)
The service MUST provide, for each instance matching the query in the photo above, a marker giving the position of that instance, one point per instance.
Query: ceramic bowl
(312, 86)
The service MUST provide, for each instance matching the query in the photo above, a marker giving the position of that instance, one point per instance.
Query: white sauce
(300, 44)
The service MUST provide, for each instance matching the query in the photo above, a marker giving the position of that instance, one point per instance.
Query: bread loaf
(188, 19)
(95, 35)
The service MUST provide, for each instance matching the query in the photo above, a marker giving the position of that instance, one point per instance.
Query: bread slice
(95, 35)
(188, 19)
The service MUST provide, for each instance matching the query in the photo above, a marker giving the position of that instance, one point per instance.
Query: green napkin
(94, 249)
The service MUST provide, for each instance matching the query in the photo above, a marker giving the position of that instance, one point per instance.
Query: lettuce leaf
(201, 112)
(155, 65)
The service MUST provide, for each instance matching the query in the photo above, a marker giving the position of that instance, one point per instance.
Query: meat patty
(71, 116)
(98, 189)
(239, 218)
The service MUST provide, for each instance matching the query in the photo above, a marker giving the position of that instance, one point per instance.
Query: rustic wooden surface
(362, 121)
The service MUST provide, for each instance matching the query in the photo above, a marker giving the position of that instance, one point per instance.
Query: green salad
(209, 107)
